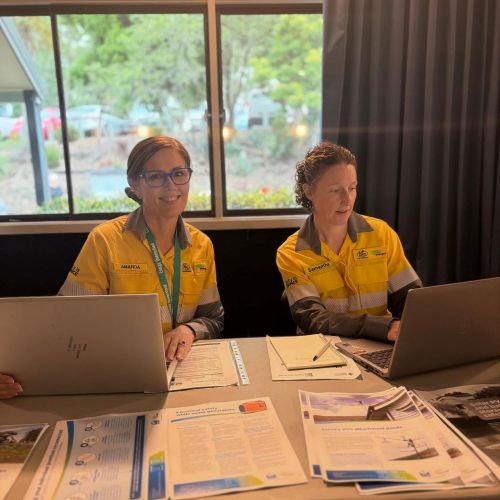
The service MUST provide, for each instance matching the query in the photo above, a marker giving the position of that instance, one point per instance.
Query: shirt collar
(308, 237)
(135, 222)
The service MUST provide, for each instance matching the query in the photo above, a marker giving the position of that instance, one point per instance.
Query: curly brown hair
(316, 161)
(143, 151)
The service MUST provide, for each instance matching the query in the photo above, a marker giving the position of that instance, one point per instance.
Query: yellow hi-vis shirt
(116, 259)
(352, 292)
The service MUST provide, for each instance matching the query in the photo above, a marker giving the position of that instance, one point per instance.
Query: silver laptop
(82, 345)
(441, 326)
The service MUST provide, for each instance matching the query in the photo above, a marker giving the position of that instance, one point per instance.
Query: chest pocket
(130, 278)
(370, 266)
(189, 298)
(326, 279)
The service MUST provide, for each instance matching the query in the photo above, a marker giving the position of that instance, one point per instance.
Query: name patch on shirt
(130, 267)
(322, 267)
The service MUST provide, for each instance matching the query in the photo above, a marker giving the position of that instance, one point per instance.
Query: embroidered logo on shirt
(199, 267)
(378, 252)
(186, 267)
(291, 281)
(362, 254)
(75, 271)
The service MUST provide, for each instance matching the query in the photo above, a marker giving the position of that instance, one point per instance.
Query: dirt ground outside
(98, 167)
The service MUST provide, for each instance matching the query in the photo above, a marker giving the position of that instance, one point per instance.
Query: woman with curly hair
(344, 273)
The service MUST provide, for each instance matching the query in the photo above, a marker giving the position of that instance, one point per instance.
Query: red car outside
(51, 123)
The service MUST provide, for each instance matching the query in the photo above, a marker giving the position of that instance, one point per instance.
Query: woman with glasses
(152, 250)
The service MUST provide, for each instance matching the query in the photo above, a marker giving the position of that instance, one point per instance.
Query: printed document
(372, 437)
(279, 372)
(234, 446)
(298, 352)
(16, 443)
(110, 456)
(209, 364)
(473, 411)
(472, 472)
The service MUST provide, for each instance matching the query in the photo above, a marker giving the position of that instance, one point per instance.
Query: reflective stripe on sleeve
(209, 295)
(401, 279)
(299, 292)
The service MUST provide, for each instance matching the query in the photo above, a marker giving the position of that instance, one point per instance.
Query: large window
(271, 82)
(80, 86)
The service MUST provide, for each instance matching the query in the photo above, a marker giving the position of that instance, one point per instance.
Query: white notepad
(298, 352)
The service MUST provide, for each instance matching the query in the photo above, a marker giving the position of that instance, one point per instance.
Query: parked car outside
(94, 119)
(142, 114)
(6, 124)
(51, 123)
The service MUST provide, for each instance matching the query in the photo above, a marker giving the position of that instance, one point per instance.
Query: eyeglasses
(158, 178)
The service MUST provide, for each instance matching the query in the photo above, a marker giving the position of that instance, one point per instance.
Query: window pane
(127, 77)
(32, 174)
(272, 97)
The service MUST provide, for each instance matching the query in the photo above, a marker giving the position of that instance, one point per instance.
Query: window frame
(219, 216)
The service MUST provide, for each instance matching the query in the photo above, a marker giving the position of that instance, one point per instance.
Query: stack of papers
(209, 364)
(473, 411)
(348, 369)
(174, 453)
(386, 441)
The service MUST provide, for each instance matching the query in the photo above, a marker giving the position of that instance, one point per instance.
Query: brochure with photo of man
(386, 442)
(474, 411)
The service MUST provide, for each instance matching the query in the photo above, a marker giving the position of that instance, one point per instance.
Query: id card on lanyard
(172, 299)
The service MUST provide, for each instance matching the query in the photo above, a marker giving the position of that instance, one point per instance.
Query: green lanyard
(172, 300)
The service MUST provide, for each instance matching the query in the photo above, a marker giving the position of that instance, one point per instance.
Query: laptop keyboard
(380, 358)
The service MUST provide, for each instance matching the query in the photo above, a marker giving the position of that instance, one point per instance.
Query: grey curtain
(412, 87)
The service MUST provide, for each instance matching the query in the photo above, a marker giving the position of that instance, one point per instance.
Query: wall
(249, 283)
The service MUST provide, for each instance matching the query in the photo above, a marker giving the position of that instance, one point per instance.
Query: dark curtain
(412, 87)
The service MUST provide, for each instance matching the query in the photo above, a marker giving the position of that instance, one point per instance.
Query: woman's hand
(9, 387)
(178, 342)
(393, 332)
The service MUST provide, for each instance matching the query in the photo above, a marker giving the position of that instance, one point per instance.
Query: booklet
(209, 364)
(474, 411)
(298, 352)
(16, 444)
(225, 447)
(372, 437)
(106, 456)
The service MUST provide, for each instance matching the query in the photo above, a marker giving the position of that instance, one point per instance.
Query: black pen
(322, 350)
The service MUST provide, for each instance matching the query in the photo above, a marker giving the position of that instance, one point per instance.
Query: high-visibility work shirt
(116, 259)
(352, 292)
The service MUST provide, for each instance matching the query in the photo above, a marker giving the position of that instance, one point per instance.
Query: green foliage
(292, 61)
(119, 59)
(279, 143)
(262, 198)
(53, 156)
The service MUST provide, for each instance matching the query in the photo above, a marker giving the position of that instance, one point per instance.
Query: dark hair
(144, 150)
(316, 161)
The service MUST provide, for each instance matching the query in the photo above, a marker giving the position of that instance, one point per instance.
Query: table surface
(284, 395)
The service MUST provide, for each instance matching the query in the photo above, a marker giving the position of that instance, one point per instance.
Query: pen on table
(322, 350)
